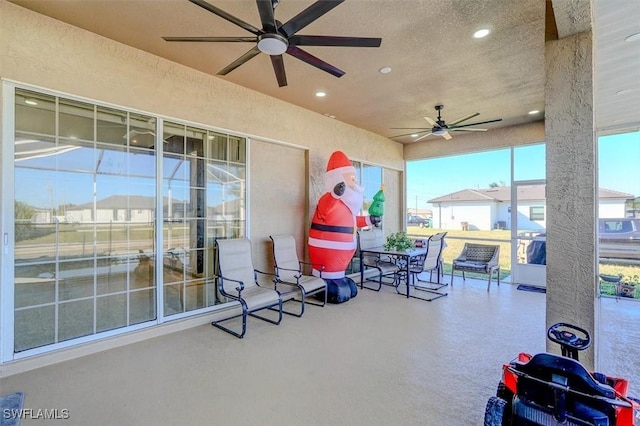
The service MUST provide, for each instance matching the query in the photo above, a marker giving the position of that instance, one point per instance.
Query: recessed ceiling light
(633, 37)
(385, 70)
(30, 101)
(535, 111)
(321, 94)
(624, 91)
(415, 135)
(481, 33)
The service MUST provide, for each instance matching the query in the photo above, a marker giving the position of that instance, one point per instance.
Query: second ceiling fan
(275, 38)
(441, 128)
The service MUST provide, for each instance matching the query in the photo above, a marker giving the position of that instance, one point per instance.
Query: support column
(571, 186)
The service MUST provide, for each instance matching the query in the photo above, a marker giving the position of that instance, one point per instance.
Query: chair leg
(228, 330)
(379, 281)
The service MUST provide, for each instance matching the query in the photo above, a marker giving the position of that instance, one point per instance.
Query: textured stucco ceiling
(427, 43)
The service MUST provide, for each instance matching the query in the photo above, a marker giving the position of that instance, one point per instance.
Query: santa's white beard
(353, 198)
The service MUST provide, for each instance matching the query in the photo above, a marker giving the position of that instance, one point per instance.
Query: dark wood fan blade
(475, 124)
(413, 133)
(213, 39)
(461, 119)
(308, 15)
(278, 67)
(265, 9)
(224, 15)
(315, 40)
(312, 60)
(241, 60)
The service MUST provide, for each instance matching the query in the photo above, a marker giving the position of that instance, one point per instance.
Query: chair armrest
(240, 288)
(256, 272)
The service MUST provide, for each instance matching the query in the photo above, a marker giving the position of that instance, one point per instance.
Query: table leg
(408, 258)
(361, 272)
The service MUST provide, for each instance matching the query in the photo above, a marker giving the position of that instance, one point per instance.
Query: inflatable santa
(332, 237)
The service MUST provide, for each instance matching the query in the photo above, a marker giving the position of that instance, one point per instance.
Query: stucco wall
(571, 186)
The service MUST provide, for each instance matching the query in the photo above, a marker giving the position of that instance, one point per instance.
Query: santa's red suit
(332, 237)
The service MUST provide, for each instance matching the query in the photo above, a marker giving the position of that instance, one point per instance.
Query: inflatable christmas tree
(377, 206)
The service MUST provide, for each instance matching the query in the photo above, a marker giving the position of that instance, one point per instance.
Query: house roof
(501, 194)
(138, 202)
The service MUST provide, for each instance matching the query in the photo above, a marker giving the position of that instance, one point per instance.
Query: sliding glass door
(115, 215)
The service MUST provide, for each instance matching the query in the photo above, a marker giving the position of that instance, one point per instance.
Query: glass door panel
(528, 233)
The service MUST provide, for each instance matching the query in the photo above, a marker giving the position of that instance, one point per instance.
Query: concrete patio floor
(379, 359)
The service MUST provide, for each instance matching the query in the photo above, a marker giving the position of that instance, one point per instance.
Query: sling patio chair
(479, 258)
(430, 262)
(238, 280)
(384, 265)
(289, 272)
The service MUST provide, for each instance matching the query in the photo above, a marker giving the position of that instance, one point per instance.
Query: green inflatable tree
(377, 206)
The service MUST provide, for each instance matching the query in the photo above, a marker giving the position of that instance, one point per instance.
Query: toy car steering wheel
(563, 334)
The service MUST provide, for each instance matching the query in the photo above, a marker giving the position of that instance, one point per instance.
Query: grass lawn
(456, 238)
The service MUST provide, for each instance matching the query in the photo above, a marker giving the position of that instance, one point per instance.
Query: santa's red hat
(338, 165)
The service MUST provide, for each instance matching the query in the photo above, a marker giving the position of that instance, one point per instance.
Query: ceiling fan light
(272, 44)
(439, 132)
(481, 33)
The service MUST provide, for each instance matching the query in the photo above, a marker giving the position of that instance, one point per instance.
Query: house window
(536, 213)
(87, 222)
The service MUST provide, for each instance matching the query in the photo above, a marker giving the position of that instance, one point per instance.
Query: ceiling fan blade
(423, 136)
(412, 133)
(265, 9)
(430, 121)
(308, 15)
(476, 124)
(316, 40)
(213, 39)
(278, 67)
(467, 130)
(446, 135)
(312, 60)
(224, 15)
(410, 128)
(461, 119)
(241, 60)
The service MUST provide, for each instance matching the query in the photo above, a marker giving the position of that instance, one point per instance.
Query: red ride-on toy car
(552, 390)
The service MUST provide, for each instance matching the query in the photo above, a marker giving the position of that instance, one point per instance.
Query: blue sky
(619, 169)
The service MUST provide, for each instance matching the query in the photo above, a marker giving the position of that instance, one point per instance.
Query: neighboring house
(490, 208)
(120, 208)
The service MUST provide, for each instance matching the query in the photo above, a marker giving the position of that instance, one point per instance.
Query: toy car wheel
(494, 412)
(505, 394)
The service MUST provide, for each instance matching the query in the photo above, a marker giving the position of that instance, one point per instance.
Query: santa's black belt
(330, 228)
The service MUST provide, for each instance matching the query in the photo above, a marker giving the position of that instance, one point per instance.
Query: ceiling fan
(276, 38)
(440, 128)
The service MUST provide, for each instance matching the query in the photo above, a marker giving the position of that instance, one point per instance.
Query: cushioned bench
(479, 258)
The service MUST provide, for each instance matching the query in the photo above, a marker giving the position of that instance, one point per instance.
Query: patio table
(404, 256)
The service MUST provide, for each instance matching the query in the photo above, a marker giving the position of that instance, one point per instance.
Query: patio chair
(238, 280)
(478, 258)
(289, 272)
(384, 265)
(432, 261)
